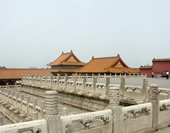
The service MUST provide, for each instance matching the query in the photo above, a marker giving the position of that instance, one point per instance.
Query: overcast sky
(34, 33)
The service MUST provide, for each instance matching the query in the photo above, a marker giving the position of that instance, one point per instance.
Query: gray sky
(35, 32)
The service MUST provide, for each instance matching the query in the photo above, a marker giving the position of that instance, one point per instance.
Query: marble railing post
(40, 79)
(52, 117)
(75, 79)
(35, 115)
(36, 80)
(8, 92)
(7, 85)
(145, 89)
(12, 97)
(52, 77)
(15, 85)
(115, 75)
(16, 100)
(107, 85)
(122, 86)
(84, 82)
(94, 83)
(114, 105)
(46, 81)
(28, 101)
(32, 77)
(42, 109)
(153, 96)
(169, 94)
(58, 79)
(1, 120)
(34, 104)
(22, 99)
(65, 81)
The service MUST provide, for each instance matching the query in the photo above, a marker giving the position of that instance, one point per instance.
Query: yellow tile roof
(107, 64)
(17, 73)
(66, 59)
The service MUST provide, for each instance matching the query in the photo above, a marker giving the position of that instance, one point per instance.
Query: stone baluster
(58, 80)
(12, 97)
(107, 85)
(32, 79)
(122, 86)
(52, 117)
(75, 79)
(28, 101)
(114, 105)
(46, 82)
(29, 79)
(65, 81)
(15, 85)
(42, 109)
(153, 97)
(8, 94)
(7, 85)
(168, 94)
(34, 104)
(115, 75)
(52, 77)
(84, 82)
(40, 80)
(94, 83)
(145, 89)
(36, 80)
(16, 100)
(1, 121)
(35, 115)
(22, 99)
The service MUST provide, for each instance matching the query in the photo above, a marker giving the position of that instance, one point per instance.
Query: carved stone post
(7, 85)
(40, 80)
(32, 79)
(42, 109)
(52, 77)
(65, 81)
(145, 89)
(122, 86)
(28, 101)
(17, 96)
(58, 79)
(107, 85)
(84, 82)
(22, 99)
(75, 79)
(153, 96)
(12, 97)
(34, 104)
(114, 101)
(94, 83)
(35, 115)
(1, 120)
(51, 106)
(15, 85)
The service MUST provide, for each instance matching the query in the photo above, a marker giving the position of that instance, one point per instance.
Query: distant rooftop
(67, 59)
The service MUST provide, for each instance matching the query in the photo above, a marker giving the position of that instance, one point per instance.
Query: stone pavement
(166, 130)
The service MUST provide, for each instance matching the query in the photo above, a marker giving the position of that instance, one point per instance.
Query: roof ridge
(106, 57)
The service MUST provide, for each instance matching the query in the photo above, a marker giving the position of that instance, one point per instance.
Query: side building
(159, 68)
(10, 76)
(107, 65)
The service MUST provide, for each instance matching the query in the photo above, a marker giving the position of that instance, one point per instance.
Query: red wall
(147, 72)
(159, 67)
